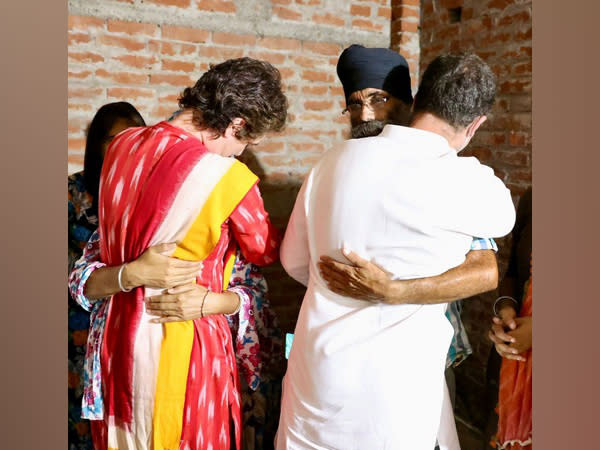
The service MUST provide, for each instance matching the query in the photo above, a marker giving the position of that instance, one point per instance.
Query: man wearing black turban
(370, 374)
(377, 88)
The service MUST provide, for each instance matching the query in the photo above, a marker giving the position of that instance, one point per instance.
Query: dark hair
(456, 88)
(97, 134)
(242, 87)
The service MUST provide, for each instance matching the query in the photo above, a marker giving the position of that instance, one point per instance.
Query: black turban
(379, 68)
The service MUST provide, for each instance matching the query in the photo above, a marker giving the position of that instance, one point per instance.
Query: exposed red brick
(286, 72)
(273, 58)
(286, 13)
(322, 48)
(76, 158)
(226, 6)
(84, 22)
(315, 90)
(270, 146)
(305, 61)
(520, 17)
(367, 25)
(172, 48)
(318, 105)
(180, 81)
(404, 26)
(360, 10)
(139, 62)
(80, 106)
(86, 57)
(233, 39)
(185, 34)
(483, 154)
(518, 139)
(451, 3)
(130, 93)
(220, 53)
(119, 26)
(121, 42)
(79, 38)
(328, 19)
(80, 75)
(498, 4)
(123, 77)
(404, 12)
(170, 98)
(275, 43)
(177, 66)
(385, 12)
(84, 92)
(315, 75)
(178, 3)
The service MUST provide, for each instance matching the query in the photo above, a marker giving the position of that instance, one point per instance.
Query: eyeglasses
(373, 102)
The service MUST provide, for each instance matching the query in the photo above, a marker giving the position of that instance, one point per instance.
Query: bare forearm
(103, 282)
(478, 274)
(224, 303)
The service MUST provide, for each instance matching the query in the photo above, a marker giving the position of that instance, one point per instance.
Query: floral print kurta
(258, 346)
(83, 220)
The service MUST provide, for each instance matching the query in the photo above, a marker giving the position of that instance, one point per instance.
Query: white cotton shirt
(363, 375)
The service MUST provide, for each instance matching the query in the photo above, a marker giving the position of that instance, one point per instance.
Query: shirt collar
(420, 142)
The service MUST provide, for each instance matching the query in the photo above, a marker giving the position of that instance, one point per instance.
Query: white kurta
(371, 376)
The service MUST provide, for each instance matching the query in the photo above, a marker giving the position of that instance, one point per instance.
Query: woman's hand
(155, 269)
(186, 303)
(509, 334)
(363, 280)
(522, 334)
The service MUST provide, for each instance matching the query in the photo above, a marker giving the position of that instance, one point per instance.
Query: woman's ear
(236, 125)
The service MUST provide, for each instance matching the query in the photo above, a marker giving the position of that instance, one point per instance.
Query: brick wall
(500, 32)
(405, 36)
(147, 51)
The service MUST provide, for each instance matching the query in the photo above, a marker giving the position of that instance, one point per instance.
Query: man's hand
(500, 333)
(362, 280)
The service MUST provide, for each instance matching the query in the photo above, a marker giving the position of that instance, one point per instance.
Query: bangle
(202, 306)
(119, 279)
(508, 297)
(239, 306)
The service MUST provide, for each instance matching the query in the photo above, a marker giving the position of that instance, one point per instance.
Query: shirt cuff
(484, 244)
(80, 298)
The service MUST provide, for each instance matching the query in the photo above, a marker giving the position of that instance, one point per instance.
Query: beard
(367, 129)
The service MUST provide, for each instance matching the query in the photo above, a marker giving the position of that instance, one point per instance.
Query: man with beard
(377, 88)
(370, 374)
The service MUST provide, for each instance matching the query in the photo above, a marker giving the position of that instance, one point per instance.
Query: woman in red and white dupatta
(174, 385)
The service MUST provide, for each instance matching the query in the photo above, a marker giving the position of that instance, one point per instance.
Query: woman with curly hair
(168, 383)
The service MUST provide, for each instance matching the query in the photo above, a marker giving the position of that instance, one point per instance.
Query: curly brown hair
(242, 87)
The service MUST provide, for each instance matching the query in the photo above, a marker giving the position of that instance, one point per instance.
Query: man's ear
(473, 126)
